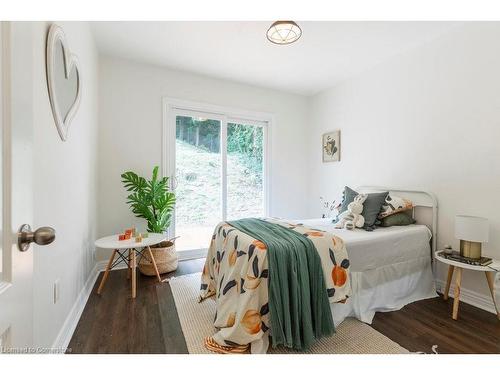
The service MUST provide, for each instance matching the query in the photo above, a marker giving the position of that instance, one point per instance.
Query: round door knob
(42, 236)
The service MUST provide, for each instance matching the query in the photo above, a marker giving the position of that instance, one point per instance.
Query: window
(245, 171)
(219, 164)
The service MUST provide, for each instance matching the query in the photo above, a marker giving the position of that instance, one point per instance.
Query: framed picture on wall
(331, 146)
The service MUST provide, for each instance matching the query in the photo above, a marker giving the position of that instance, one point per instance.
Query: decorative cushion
(394, 204)
(371, 207)
(399, 218)
(347, 197)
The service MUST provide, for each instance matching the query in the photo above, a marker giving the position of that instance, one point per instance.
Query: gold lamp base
(470, 249)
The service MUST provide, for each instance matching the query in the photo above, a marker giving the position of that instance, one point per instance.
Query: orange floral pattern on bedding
(236, 274)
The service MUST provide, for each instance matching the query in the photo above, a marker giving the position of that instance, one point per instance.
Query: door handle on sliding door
(173, 182)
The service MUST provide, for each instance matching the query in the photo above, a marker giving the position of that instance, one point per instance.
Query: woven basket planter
(165, 257)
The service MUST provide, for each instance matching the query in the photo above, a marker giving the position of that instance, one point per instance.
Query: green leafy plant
(150, 200)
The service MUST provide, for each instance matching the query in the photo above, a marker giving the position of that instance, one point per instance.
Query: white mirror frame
(55, 35)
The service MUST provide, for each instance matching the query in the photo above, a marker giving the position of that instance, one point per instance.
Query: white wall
(131, 127)
(65, 186)
(428, 119)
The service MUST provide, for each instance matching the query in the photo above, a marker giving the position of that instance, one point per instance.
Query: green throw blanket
(298, 300)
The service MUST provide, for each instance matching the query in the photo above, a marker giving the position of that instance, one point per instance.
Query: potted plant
(152, 200)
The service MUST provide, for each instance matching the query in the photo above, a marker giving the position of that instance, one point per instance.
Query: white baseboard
(66, 333)
(64, 337)
(101, 265)
(468, 296)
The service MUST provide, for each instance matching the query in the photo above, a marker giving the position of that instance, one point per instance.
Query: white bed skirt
(386, 288)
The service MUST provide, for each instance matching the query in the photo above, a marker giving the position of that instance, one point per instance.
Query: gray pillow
(371, 207)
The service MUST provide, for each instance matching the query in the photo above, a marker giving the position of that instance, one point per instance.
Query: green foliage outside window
(245, 140)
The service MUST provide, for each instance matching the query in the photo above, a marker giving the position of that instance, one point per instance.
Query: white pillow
(394, 204)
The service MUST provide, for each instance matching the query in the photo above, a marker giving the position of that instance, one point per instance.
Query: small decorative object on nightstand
(489, 271)
(448, 250)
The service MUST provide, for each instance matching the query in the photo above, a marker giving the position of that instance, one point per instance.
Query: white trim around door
(173, 107)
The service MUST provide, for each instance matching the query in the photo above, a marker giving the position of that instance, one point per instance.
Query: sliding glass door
(219, 165)
(198, 180)
(245, 171)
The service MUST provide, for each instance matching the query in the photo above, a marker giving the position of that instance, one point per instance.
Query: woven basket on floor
(165, 257)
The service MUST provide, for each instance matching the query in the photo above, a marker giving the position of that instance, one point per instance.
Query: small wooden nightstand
(459, 266)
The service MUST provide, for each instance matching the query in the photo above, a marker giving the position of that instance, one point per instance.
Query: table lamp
(472, 231)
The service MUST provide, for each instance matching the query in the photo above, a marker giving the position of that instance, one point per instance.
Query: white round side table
(488, 270)
(127, 251)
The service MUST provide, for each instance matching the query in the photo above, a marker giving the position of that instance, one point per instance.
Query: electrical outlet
(56, 291)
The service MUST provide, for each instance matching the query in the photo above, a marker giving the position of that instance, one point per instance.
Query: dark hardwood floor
(115, 323)
(422, 324)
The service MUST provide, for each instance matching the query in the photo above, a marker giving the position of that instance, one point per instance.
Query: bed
(390, 268)
(387, 269)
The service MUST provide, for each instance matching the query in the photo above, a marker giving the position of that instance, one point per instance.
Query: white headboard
(420, 199)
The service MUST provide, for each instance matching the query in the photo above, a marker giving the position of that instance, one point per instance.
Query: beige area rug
(352, 336)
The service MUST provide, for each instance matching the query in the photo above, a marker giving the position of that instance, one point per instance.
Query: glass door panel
(245, 171)
(198, 186)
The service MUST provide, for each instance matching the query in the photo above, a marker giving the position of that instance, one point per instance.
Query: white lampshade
(471, 228)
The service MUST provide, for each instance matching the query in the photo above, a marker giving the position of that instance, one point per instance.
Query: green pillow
(347, 197)
(400, 218)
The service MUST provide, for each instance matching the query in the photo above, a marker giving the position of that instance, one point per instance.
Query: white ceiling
(327, 52)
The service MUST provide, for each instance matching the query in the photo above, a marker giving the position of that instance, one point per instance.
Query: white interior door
(16, 267)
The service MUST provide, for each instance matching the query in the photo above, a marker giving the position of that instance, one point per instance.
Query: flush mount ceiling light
(284, 32)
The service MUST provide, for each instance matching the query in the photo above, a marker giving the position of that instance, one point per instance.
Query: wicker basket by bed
(165, 257)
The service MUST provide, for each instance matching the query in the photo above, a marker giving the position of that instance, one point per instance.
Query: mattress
(381, 247)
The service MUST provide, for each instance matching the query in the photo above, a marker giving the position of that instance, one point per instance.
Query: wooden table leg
(106, 272)
(448, 282)
(154, 264)
(134, 276)
(456, 300)
(129, 269)
(490, 277)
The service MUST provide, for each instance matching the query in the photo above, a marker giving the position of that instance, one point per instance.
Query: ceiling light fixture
(284, 32)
